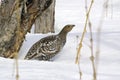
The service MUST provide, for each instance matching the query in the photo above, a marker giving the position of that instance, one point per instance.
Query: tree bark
(45, 22)
(16, 19)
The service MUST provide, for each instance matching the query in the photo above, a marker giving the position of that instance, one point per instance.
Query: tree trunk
(16, 19)
(45, 22)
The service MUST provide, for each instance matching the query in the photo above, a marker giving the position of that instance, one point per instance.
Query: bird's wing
(45, 47)
(50, 45)
(33, 51)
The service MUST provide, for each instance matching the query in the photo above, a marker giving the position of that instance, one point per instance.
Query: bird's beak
(73, 25)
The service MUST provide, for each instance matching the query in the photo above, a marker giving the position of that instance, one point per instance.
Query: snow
(62, 66)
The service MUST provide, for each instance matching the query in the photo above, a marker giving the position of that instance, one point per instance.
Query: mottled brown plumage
(49, 46)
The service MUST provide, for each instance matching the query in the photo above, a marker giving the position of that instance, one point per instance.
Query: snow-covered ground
(63, 66)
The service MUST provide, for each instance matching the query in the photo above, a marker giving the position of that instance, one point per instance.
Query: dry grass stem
(86, 7)
(99, 34)
(106, 7)
(83, 34)
(111, 8)
(92, 54)
(17, 67)
(16, 53)
(80, 72)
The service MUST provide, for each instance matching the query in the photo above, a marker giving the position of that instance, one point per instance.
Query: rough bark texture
(16, 19)
(45, 22)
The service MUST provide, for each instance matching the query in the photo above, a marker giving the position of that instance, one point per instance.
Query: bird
(47, 47)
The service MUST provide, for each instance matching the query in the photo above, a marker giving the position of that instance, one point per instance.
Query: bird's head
(68, 27)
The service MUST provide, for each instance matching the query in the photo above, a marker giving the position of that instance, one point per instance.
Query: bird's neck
(63, 34)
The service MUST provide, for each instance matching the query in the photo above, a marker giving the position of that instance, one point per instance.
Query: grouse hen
(49, 46)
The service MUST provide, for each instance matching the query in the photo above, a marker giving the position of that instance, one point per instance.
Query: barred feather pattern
(46, 48)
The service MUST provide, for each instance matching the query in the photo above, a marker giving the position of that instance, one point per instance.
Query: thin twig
(16, 53)
(99, 35)
(92, 55)
(83, 34)
(86, 7)
(80, 72)
(106, 7)
(17, 67)
(91, 46)
(111, 8)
